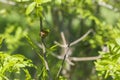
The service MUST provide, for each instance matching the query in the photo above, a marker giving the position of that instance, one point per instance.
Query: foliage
(13, 64)
(12, 37)
(20, 32)
(109, 63)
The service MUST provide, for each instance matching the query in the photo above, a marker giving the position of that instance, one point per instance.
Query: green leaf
(118, 41)
(62, 78)
(39, 11)
(14, 64)
(30, 8)
(28, 76)
(45, 1)
(35, 48)
(1, 39)
(42, 1)
(58, 2)
(53, 47)
(22, 0)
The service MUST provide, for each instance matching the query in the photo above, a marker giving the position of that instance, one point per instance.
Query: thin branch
(44, 51)
(63, 38)
(66, 48)
(81, 38)
(57, 43)
(76, 59)
(61, 58)
(69, 62)
(61, 68)
(41, 24)
(57, 56)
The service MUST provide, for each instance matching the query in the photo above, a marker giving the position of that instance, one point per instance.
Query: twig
(57, 43)
(63, 38)
(76, 59)
(66, 47)
(61, 68)
(57, 56)
(44, 51)
(81, 38)
(65, 54)
(41, 24)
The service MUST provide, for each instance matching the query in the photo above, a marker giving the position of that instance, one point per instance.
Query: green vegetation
(59, 40)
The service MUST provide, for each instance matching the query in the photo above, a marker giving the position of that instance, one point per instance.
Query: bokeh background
(72, 17)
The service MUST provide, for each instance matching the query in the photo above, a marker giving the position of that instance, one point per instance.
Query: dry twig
(81, 38)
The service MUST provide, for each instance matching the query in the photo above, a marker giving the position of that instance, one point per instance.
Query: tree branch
(44, 50)
(76, 59)
(66, 48)
(81, 38)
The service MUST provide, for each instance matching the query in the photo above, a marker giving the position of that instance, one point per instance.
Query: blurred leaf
(58, 1)
(53, 47)
(62, 78)
(42, 1)
(39, 10)
(45, 1)
(35, 48)
(28, 76)
(13, 64)
(118, 41)
(30, 8)
(22, 0)
(1, 39)
(3, 11)
(107, 65)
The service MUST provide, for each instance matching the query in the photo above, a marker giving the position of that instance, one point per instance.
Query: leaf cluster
(14, 65)
(109, 63)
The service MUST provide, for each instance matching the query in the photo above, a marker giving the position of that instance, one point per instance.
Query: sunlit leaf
(58, 1)
(42, 1)
(22, 0)
(30, 8)
(14, 64)
(28, 76)
(118, 41)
